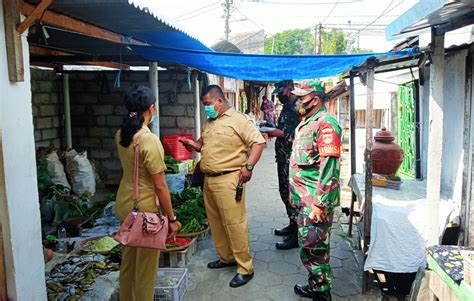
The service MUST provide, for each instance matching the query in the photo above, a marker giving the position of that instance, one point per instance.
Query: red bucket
(176, 149)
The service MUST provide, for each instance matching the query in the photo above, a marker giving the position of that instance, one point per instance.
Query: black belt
(220, 173)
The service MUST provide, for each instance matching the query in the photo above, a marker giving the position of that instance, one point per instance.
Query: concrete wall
(19, 205)
(97, 111)
(454, 97)
(47, 108)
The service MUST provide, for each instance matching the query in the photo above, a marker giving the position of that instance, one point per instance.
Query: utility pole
(320, 45)
(227, 6)
(315, 39)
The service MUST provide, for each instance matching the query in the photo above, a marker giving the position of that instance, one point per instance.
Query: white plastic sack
(175, 182)
(56, 170)
(80, 173)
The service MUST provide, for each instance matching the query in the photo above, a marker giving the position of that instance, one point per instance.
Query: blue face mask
(154, 119)
(211, 112)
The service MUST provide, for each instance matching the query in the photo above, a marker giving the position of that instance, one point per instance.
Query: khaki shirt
(151, 162)
(226, 142)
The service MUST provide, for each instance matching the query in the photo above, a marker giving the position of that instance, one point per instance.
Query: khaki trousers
(138, 273)
(228, 221)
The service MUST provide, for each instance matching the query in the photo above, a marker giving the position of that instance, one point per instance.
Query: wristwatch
(249, 166)
(172, 220)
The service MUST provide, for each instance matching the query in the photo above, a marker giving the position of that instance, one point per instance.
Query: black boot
(305, 292)
(287, 230)
(289, 242)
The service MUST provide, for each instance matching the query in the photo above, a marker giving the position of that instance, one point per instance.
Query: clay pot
(386, 154)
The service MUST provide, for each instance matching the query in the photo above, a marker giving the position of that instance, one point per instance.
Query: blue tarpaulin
(260, 67)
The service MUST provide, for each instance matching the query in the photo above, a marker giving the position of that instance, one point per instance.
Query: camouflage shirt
(314, 162)
(287, 122)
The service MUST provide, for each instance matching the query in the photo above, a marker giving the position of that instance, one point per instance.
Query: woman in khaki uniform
(139, 265)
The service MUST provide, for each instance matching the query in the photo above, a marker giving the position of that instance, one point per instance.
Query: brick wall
(97, 111)
(47, 108)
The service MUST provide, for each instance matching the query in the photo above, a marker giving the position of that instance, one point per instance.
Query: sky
(203, 18)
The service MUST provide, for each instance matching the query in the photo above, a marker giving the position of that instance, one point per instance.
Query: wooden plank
(68, 23)
(369, 122)
(440, 289)
(13, 42)
(467, 159)
(352, 141)
(43, 51)
(35, 16)
(103, 64)
(435, 140)
(3, 275)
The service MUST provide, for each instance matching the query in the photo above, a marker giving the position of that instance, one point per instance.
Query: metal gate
(406, 129)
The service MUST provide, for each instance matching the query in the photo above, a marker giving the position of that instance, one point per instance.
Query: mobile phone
(239, 192)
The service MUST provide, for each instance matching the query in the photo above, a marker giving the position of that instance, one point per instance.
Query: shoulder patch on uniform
(329, 141)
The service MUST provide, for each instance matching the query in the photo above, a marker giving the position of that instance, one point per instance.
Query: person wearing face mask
(285, 133)
(139, 265)
(314, 186)
(230, 146)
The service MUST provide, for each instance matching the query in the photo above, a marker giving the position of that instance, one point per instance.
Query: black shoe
(292, 227)
(218, 264)
(240, 280)
(305, 292)
(288, 243)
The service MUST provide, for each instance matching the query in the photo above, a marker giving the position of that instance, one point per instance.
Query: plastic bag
(80, 172)
(175, 182)
(56, 170)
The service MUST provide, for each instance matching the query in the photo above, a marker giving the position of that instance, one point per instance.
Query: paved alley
(276, 272)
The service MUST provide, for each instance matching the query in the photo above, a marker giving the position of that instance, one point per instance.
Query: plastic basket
(167, 289)
(176, 149)
(468, 267)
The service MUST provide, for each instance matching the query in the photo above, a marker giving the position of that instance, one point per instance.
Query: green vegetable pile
(189, 209)
(192, 227)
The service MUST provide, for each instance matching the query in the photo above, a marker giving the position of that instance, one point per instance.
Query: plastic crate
(175, 292)
(176, 149)
(468, 267)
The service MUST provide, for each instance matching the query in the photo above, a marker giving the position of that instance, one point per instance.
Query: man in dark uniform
(285, 133)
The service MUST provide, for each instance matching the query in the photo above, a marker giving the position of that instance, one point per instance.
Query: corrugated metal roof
(121, 16)
(428, 13)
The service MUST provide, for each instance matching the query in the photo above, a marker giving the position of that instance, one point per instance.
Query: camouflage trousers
(283, 185)
(313, 239)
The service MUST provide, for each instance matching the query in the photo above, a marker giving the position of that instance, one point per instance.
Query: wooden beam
(3, 275)
(435, 138)
(68, 23)
(38, 50)
(103, 64)
(352, 141)
(369, 123)
(13, 41)
(34, 17)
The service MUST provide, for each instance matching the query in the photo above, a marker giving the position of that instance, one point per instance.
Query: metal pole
(197, 114)
(67, 111)
(320, 34)
(435, 140)
(153, 77)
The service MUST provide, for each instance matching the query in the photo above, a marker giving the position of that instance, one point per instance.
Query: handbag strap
(136, 162)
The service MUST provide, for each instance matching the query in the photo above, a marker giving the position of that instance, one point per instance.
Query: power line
(330, 12)
(196, 10)
(301, 3)
(197, 15)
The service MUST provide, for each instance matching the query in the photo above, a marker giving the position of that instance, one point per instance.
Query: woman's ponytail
(137, 100)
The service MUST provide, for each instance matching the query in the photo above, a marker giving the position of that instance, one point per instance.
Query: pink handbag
(142, 229)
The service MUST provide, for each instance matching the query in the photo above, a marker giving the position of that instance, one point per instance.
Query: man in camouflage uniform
(314, 186)
(285, 133)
